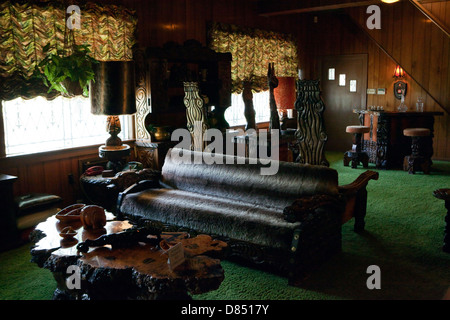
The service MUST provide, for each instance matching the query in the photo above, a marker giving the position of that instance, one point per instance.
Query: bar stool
(419, 159)
(356, 155)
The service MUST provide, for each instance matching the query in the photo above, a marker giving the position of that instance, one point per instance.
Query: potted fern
(69, 75)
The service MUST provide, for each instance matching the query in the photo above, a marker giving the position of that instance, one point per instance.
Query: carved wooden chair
(249, 111)
(272, 81)
(195, 115)
(310, 135)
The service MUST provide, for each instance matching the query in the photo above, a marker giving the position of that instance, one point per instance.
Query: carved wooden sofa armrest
(134, 188)
(319, 235)
(355, 194)
(124, 179)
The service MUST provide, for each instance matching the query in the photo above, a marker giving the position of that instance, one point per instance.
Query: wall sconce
(399, 86)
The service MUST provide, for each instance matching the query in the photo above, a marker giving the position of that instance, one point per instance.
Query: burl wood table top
(140, 271)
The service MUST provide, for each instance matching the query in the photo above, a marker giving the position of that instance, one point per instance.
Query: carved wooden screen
(310, 135)
(142, 94)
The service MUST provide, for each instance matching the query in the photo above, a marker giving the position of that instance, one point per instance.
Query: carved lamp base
(114, 154)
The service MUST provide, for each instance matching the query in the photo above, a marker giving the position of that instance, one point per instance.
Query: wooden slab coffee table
(136, 272)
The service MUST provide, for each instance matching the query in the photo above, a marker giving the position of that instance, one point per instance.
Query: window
(235, 114)
(252, 50)
(38, 125)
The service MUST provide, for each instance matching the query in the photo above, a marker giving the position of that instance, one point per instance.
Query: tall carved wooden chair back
(272, 81)
(310, 135)
(195, 115)
(249, 110)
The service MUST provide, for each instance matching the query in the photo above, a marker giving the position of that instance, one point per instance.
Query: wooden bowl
(70, 213)
(68, 233)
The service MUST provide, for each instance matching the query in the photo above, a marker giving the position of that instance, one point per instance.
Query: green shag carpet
(404, 235)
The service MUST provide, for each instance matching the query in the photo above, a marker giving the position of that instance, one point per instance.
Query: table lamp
(112, 93)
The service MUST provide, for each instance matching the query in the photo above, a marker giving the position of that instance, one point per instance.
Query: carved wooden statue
(195, 114)
(249, 111)
(310, 135)
(272, 81)
(113, 128)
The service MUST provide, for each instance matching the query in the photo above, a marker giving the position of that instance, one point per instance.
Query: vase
(402, 107)
(161, 134)
(419, 104)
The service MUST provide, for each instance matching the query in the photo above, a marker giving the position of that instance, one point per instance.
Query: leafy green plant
(57, 69)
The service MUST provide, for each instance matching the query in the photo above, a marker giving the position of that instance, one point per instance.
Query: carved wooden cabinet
(152, 154)
(161, 77)
(161, 73)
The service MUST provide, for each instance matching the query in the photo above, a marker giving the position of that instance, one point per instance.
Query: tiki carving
(382, 141)
(142, 93)
(272, 81)
(249, 111)
(195, 115)
(310, 135)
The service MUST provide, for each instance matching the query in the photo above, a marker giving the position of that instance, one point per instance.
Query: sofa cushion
(204, 213)
(244, 182)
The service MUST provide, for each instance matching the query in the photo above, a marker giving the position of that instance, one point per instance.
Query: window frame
(131, 134)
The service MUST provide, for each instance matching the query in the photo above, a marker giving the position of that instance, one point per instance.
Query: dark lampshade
(113, 92)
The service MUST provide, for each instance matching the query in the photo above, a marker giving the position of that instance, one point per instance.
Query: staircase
(418, 42)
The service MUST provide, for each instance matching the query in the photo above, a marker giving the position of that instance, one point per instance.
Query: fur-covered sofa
(290, 221)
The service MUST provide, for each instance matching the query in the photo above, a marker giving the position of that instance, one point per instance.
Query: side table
(103, 191)
(136, 272)
(444, 194)
(9, 234)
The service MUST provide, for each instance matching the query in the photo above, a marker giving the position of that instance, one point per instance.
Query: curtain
(26, 27)
(252, 50)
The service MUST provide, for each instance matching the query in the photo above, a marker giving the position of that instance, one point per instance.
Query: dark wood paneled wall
(340, 33)
(440, 10)
(179, 20)
(159, 22)
(49, 172)
(334, 33)
(423, 50)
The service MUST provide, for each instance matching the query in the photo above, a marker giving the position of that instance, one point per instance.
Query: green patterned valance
(252, 50)
(26, 27)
